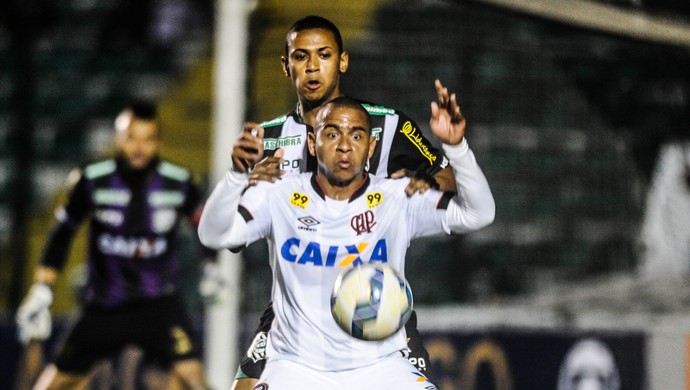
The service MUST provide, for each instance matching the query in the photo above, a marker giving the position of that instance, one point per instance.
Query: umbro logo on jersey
(308, 222)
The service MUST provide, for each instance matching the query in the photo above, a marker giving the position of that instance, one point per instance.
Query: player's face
(314, 65)
(342, 145)
(140, 143)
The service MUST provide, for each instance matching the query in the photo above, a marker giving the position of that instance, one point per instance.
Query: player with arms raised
(307, 221)
(314, 60)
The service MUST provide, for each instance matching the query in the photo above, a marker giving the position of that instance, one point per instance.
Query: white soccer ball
(371, 301)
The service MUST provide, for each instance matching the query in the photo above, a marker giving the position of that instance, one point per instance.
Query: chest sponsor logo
(282, 142)
(299, 200)
(317, 254)
(362, 223)
(131, 247)
(415, 136)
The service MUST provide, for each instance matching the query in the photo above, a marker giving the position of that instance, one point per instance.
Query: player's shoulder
(95, 169)
(379, 112)
(392, 187)
(173, 171)
(286, 183)
(278, 121)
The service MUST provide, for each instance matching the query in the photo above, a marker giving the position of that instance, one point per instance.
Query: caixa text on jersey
(333, 255)
(131, 247)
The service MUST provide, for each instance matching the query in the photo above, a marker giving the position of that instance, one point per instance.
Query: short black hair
(143, 109)
(342, 102)
(313, 22)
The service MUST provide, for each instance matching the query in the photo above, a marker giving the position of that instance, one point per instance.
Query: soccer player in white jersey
(307, 221)
(314, 59)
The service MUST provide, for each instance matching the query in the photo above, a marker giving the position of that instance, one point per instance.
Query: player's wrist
(456, 150)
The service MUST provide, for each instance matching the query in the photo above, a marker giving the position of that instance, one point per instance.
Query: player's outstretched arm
(221, 225)
(473, 206)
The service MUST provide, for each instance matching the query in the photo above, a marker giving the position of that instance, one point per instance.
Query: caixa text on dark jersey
(131, 247)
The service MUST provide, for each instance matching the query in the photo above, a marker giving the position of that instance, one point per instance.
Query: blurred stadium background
(568, 103)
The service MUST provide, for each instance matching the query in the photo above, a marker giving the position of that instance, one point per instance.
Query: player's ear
(286, 69)
(372, 145)
(344, 62)
(311, 142)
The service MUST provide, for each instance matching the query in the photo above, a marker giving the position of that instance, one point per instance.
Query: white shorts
(394, 373)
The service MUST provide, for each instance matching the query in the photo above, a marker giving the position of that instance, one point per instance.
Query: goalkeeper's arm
(33, 315)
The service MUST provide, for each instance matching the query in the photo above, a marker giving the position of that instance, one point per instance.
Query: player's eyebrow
(304, 50)
(347, 127)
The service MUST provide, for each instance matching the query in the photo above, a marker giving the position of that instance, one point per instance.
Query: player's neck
(339, 190)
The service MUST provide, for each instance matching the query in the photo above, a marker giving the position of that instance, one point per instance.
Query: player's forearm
(473, 206)
(58, 243)
(221, 226)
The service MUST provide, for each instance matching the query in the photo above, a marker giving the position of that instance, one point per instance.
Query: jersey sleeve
(425, 215)
(411, 150)
(68, 218)
(470, 209)
(225, 222)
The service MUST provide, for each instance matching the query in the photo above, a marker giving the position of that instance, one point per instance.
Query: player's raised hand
(268, 169)
(447, 122)
(249, 148)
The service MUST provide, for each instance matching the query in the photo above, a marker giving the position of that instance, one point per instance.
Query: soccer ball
(371, 301)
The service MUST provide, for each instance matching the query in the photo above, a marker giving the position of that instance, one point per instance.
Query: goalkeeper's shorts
(160, 327)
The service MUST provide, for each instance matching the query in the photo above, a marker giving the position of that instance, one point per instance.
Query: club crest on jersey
(313, 253)
(415, 136)
(299, 200)
(362, 223)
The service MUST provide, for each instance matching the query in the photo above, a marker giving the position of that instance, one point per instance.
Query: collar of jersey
(359, 192)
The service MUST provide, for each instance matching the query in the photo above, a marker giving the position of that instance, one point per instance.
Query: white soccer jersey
(312, 239)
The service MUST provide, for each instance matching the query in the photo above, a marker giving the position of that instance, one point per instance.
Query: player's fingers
(416, 185)
(264, 174)
(400, 174)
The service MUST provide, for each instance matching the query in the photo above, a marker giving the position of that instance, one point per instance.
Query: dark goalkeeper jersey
(399, 143)
(134, 217)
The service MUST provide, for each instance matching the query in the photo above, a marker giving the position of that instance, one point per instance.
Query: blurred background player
(305, 347)
(134, 203)
(314, 60)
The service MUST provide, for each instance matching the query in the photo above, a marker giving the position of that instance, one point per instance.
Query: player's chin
(139, 163)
